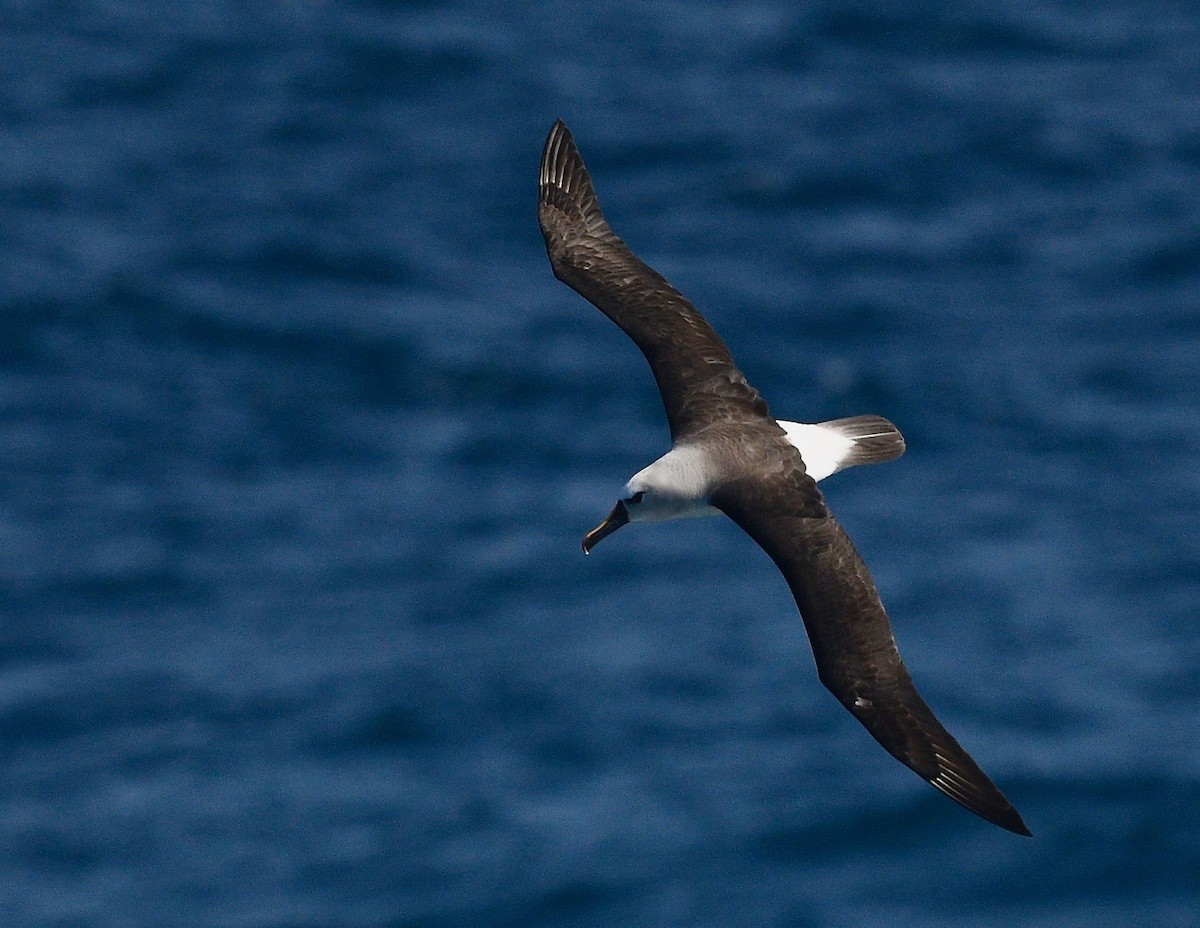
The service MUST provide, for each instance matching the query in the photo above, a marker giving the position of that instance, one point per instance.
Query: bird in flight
(729, 455)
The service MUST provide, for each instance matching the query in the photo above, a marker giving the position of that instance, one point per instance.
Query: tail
(828, 447)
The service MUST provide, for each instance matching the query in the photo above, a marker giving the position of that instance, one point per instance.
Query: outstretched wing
(851, 636)
(694, 370)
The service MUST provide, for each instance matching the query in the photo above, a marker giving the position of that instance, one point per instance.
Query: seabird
(728, 455)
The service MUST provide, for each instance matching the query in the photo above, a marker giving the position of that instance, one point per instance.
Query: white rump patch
(828, 447)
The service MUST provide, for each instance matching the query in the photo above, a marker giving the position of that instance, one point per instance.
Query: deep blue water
(298, 438)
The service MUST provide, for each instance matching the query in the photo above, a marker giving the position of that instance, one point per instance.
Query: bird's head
(673, 487)
(627, 510)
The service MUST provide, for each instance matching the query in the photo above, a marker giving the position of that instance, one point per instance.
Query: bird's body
(730, 456)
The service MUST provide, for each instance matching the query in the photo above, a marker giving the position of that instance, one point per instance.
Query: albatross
(729, 455)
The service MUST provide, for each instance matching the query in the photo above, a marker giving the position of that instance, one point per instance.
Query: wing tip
(567, 203)
(971, 788)
(995, 809)
(908, 730)
(562, 167)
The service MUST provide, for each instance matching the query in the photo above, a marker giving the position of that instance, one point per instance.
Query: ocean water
(299, 436)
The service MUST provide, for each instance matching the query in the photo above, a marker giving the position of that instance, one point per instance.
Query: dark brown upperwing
(851, 636)
(691, 365)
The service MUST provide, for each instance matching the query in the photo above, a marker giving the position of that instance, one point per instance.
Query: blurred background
(299, 436)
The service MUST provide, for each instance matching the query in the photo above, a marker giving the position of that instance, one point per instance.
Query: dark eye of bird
(637, 497)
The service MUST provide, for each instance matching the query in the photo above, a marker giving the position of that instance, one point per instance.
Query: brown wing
(851, 636)
(694, 370)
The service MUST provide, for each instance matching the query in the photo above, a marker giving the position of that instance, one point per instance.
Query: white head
(675, 486)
